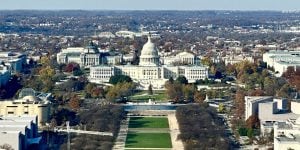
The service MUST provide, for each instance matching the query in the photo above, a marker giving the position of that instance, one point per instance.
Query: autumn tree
(252, 122)
(221, 108)
(94, 91)
(199, 96)
(119, 91)
(188, 91)
(206, 61)
(284, 91)
(45, 78)
(239, 103)
(71, 67)
(174, 91)
(74, 102)
(256, 92)
(45, 61)
(97, 92)
(46, 73)
(292, 75)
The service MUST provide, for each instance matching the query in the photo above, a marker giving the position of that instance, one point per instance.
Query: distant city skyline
(285, 5)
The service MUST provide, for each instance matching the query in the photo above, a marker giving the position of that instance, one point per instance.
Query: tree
(284, 91)
(77, 72)
(206, 61)
(269, 84)
(231, 70)
(46, 73)
(150, 91)
(61, 115)
(188, 92)
(199, 96)
(252, 122)
(72, 67)
(182, 80)
(119, 79)
(171, 80)
(174, 91)
(74, 102)
(89, 87)
(242, 131)
(292, 75)
(119, 91)
(201, 128)
(218, 75)
(97, 92)
(239, 103)
(250, 133)
(256, 92)
(221, 108)
(45, 61)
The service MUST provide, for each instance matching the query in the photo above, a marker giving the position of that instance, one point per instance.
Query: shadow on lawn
(138, 124)
(130, 141)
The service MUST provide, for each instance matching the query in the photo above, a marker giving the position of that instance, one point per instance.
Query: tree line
(201, 128)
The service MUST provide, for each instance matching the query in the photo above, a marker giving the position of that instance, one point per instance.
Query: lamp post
(48, 126)
(68, 131)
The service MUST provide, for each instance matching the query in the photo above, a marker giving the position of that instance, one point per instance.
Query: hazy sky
(153, 4)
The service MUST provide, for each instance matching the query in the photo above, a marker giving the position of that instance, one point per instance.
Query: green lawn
(148, 140)
(148, 122)
(143, 96)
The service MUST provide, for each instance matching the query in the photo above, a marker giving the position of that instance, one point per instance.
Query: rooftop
(257, 98)
(290, 138)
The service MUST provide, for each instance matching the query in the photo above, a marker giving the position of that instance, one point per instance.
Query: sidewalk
(174, 132)
(121, 139)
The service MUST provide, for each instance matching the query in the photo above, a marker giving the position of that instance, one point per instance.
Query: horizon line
(75, 9)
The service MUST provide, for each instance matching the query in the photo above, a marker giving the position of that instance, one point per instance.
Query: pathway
(121, 139)
(174, 132)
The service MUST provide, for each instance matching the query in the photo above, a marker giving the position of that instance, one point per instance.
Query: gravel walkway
(121, 139)
(174, 132)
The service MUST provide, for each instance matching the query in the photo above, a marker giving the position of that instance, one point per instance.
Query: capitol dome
(149, 54)
(149, 49)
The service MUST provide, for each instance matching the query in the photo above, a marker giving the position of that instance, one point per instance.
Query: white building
(233, 59)
(251, 104)
(19, 132)
(186, 58)
(131, 34)
(13, 61)
(149, 71)
(280, 60)
(27, 106)
(86, 57)
(276, 111)
(287, 135)
(270, 110)
(106, 35)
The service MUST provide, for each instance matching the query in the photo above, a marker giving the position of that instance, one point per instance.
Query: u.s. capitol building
(150, 70)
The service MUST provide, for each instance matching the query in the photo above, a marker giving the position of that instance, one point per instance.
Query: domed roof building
(150, 70)
(149, 54)
(31, 98)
